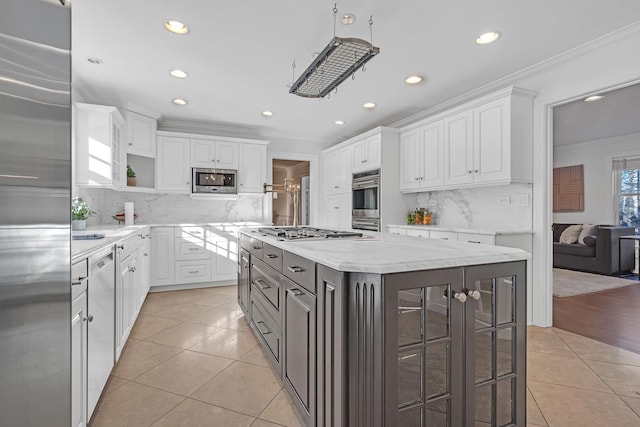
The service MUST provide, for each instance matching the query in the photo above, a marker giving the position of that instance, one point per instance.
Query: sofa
(603, 253)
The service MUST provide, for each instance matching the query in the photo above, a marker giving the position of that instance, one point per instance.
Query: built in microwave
(213, 181)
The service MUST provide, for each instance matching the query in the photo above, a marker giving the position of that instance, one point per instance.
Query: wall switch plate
(522, 200)
(504, 200)
(118, 203)
(433, 203)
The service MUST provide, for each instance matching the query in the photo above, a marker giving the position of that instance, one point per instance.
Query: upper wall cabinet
(173, 173)
(422, 157)
(366, 154)
(99, 158)
(215, 154)
(337, 171)
(485, 142)
(252, 168)
(141, 134)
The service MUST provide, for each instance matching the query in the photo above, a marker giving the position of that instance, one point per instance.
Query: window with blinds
(627, 191)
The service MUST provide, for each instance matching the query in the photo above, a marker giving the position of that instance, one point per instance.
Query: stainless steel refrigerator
(35, 180)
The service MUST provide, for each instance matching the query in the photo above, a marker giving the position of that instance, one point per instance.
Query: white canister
(128, 213)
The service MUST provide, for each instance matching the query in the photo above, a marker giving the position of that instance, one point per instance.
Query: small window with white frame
(627, 191)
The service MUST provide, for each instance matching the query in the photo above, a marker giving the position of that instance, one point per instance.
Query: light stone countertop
(383, 253)
(454, 229)
(81, 249)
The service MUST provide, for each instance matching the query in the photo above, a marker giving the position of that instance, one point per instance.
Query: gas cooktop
(296, 233)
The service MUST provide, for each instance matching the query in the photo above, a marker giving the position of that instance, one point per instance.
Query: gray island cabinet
(389, 330)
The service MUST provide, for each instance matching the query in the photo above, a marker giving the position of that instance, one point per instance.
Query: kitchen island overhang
(396, 330)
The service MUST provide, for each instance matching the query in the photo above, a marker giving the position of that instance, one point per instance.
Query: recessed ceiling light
(369, 105)
(347, 18)
(412, 80)
(94, 60)
(179, 101)
(487, 38)
(179, 74)
(593, 98)
(267, 113)
(176, 27)
(339, 122)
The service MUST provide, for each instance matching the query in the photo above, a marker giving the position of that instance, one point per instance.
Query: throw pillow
(570, 234)
(590, 240)
(587, 230)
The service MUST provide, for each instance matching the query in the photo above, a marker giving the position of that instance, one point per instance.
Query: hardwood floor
(612, 317)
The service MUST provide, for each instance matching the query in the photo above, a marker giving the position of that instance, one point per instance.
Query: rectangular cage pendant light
(339, 60)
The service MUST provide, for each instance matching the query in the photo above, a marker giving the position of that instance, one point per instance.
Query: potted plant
(131, 177)
(79, 213)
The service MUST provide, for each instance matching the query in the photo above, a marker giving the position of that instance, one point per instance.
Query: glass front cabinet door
(451, 347)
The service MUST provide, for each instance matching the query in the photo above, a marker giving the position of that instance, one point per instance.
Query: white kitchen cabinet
(224, 250)
(443, 235)
(366, 154)
(99, 156)
(141, 134)
(79, 344)
(173, 173)
(337, 170)
(214, 154)
(459, 160)
(252, 168)
(339, 211)
(417, 233)
(192, 254)
(193, 271)
(484, 142)
(125, 291)
(162, 256)
(145, 266)
(422, 157)
(485, 239)
(397, 230)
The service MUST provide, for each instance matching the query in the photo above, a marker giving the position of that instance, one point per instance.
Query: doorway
(293, 207)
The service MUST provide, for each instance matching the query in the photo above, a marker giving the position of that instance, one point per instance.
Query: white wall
(596, 156)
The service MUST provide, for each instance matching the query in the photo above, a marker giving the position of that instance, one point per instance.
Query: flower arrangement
(130, 172)
(80, 210)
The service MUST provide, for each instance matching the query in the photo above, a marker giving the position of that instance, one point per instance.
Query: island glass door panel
(427, 326)
(495, 376)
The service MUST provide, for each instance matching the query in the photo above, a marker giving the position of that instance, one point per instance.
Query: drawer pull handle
(295, 291)
(261, 284)
(444, 238)
(119, 246)
(295, 269)
(194, 249)
(79, 282)
(260, 322)
(272, 256)
(256, 247)
(89, 318)
(473, 241)
(193, 272)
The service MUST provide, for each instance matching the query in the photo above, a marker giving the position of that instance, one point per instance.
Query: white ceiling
(239, 53)
(617, 114)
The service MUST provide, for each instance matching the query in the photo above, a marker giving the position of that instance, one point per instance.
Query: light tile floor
(191, 360)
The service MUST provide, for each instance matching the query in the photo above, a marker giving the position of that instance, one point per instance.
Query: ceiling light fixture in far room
(176, 27)
(94, 60)
(413, 80)
(488, 37)
(339, 122)
(179, 74)
(339, 60)
(369, 105)
(179, 101)
(267, 113)
(593, 98)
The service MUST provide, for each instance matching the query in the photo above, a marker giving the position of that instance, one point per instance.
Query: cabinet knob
(460, 296)
(416, 179)
(475, 294)
(119, 246)
(131, 143)
(146, 254)
(476, 171)
(336, 186)
(468, 171)
(421, 178)
(89, 318)
(213, 160)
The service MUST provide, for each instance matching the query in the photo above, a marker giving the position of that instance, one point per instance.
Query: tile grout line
(538, 406)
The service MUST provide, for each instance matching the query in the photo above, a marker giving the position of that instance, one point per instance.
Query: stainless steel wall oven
(366, 201)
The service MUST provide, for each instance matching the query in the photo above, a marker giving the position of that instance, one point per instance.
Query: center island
(389, 330)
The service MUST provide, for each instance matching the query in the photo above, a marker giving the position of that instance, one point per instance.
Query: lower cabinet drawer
(444, 235)
(417, 233)
(190, 249)
(266, 328)
(193, 271)
(485, 239)
(300, 270)
(266, 280)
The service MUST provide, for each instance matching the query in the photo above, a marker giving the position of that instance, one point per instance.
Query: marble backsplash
(163, 208)
(482, 207)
